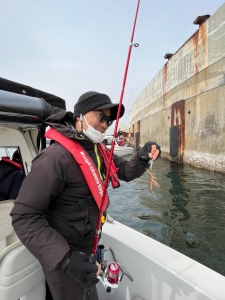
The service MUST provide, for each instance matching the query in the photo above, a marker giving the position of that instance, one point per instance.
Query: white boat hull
(122, 150)
(159, 272)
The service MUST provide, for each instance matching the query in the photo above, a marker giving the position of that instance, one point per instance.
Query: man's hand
(149, 151)
(81, 270)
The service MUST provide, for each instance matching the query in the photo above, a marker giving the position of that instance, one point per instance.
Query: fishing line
(175, 21)
(138, 34)
(93, 255)
(128, 105)
(95, 244)
(96, 238)
(128, 99)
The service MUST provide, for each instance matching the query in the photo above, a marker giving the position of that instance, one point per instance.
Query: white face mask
(93, 134)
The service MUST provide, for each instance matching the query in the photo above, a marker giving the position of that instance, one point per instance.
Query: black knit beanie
(94, 101)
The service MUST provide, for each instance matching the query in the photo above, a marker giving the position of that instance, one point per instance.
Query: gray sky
(69, 47)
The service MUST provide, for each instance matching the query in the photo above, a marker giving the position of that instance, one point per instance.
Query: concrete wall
(196, 75)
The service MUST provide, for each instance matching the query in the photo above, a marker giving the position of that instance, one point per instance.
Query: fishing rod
(93, 255)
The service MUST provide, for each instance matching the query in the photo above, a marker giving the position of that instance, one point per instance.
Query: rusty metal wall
(196, 75)
(178, 119)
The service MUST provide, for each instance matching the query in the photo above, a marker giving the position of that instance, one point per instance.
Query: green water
(187, 214)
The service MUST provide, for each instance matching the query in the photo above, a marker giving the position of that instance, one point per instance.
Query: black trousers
(61, 286)
(48, 295)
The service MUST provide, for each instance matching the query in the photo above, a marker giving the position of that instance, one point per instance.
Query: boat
(149, 270)
(119, 150)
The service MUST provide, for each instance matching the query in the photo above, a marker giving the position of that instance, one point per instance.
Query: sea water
(186, 214)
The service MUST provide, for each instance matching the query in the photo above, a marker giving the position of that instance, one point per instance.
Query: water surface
(187, 214)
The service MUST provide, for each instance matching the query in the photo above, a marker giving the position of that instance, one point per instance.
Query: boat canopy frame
(25, 107)
(22, 89)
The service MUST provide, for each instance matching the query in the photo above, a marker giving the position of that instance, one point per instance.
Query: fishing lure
(152, 181)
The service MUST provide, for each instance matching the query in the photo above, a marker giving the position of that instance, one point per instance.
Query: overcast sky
(70, 47)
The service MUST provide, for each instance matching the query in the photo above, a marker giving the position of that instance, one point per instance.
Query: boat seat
(21, 275)
(7, 233)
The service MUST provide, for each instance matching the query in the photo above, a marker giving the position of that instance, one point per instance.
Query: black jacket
(10, 186)
(55, 177)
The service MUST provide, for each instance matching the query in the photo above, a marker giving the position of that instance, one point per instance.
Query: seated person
(11, 176)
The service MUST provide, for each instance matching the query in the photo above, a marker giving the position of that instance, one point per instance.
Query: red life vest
(8, 160)
(88, 169)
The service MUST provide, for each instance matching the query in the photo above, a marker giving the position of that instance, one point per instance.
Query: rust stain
(204, 41)
(178, 119)
(195, 39)
(165, 70)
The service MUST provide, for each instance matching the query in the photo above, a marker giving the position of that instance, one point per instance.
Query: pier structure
(183, 107)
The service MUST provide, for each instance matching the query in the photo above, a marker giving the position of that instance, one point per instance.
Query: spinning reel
(112, 273)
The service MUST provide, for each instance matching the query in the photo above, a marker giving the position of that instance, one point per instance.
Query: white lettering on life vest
(98, 183)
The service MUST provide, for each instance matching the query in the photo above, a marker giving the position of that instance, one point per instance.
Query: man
(56, 212)
(11, 176)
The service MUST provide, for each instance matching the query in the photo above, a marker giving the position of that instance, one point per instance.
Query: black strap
(71, 208)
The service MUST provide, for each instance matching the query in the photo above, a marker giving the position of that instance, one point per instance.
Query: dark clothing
(64, 287)
(10, 186)
(55, 177)
(48, 294)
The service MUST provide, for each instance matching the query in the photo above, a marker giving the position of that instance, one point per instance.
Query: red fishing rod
(98, 227)
(95, 244)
